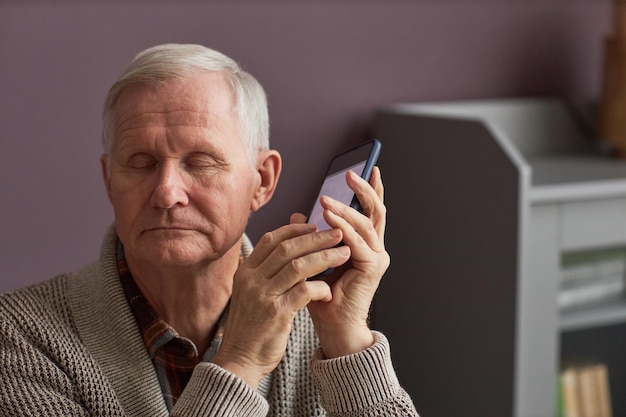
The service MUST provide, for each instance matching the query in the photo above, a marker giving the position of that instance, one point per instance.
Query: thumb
(297, 218)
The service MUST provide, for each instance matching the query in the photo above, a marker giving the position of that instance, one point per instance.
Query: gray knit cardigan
(70, 347)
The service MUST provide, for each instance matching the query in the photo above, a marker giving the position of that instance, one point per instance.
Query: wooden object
(612, 115)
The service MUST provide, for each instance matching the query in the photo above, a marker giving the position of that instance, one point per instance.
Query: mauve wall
(327, 65)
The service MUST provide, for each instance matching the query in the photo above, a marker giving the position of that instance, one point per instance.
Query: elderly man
(180, 316)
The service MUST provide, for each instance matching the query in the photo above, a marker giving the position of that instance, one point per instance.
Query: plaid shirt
(174, 356)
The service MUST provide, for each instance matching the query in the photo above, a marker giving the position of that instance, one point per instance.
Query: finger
(300, 257)
(319, 290)
(365, 247)
(271, 240)
(377, 183)
(357, 228)
(299, 269)
(362, 239)
(305, 292)
(297, 218)
(370, 196)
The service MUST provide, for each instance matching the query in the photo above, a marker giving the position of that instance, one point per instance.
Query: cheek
(126, 215)
(127, 201)
(131, 188)
(228, 202)
(213, 203)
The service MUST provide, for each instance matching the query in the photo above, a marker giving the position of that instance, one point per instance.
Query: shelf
(613, 312)
(497, 192)
(576, 176)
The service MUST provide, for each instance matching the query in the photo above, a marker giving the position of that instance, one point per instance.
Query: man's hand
(271, 286)
(268, 290)
(342, 322)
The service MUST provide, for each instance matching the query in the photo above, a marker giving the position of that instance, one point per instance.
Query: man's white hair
(159, 64)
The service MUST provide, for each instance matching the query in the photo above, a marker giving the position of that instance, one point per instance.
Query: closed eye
(141, 161)
(201, 160)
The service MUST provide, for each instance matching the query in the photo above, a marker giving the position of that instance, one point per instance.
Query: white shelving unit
(483, 198)
(610, 313)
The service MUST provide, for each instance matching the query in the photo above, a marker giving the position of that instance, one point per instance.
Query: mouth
(171, 229)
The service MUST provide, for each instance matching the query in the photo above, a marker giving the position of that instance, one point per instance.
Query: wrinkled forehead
(204, 100)
(206, 92)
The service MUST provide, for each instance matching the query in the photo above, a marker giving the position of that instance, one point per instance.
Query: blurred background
(326, 65)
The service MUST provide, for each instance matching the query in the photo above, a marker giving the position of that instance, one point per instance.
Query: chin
(169, 259)
(174, 252)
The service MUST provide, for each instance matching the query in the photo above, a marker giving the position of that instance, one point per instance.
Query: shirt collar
(157, 333)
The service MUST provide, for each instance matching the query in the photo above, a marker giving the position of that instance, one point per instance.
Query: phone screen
(334, 186)
(361, 160)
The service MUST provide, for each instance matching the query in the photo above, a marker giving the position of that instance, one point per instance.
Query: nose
(170, 189)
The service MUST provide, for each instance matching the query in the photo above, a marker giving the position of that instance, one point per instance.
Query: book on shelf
(585, 391)
(592, 276)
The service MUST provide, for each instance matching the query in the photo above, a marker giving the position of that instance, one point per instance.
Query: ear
(104, 160)
(268, 168)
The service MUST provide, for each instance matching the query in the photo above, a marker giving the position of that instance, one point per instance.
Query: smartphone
(360, 159)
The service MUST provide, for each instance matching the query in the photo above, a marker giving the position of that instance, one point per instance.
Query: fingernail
(329, 199)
